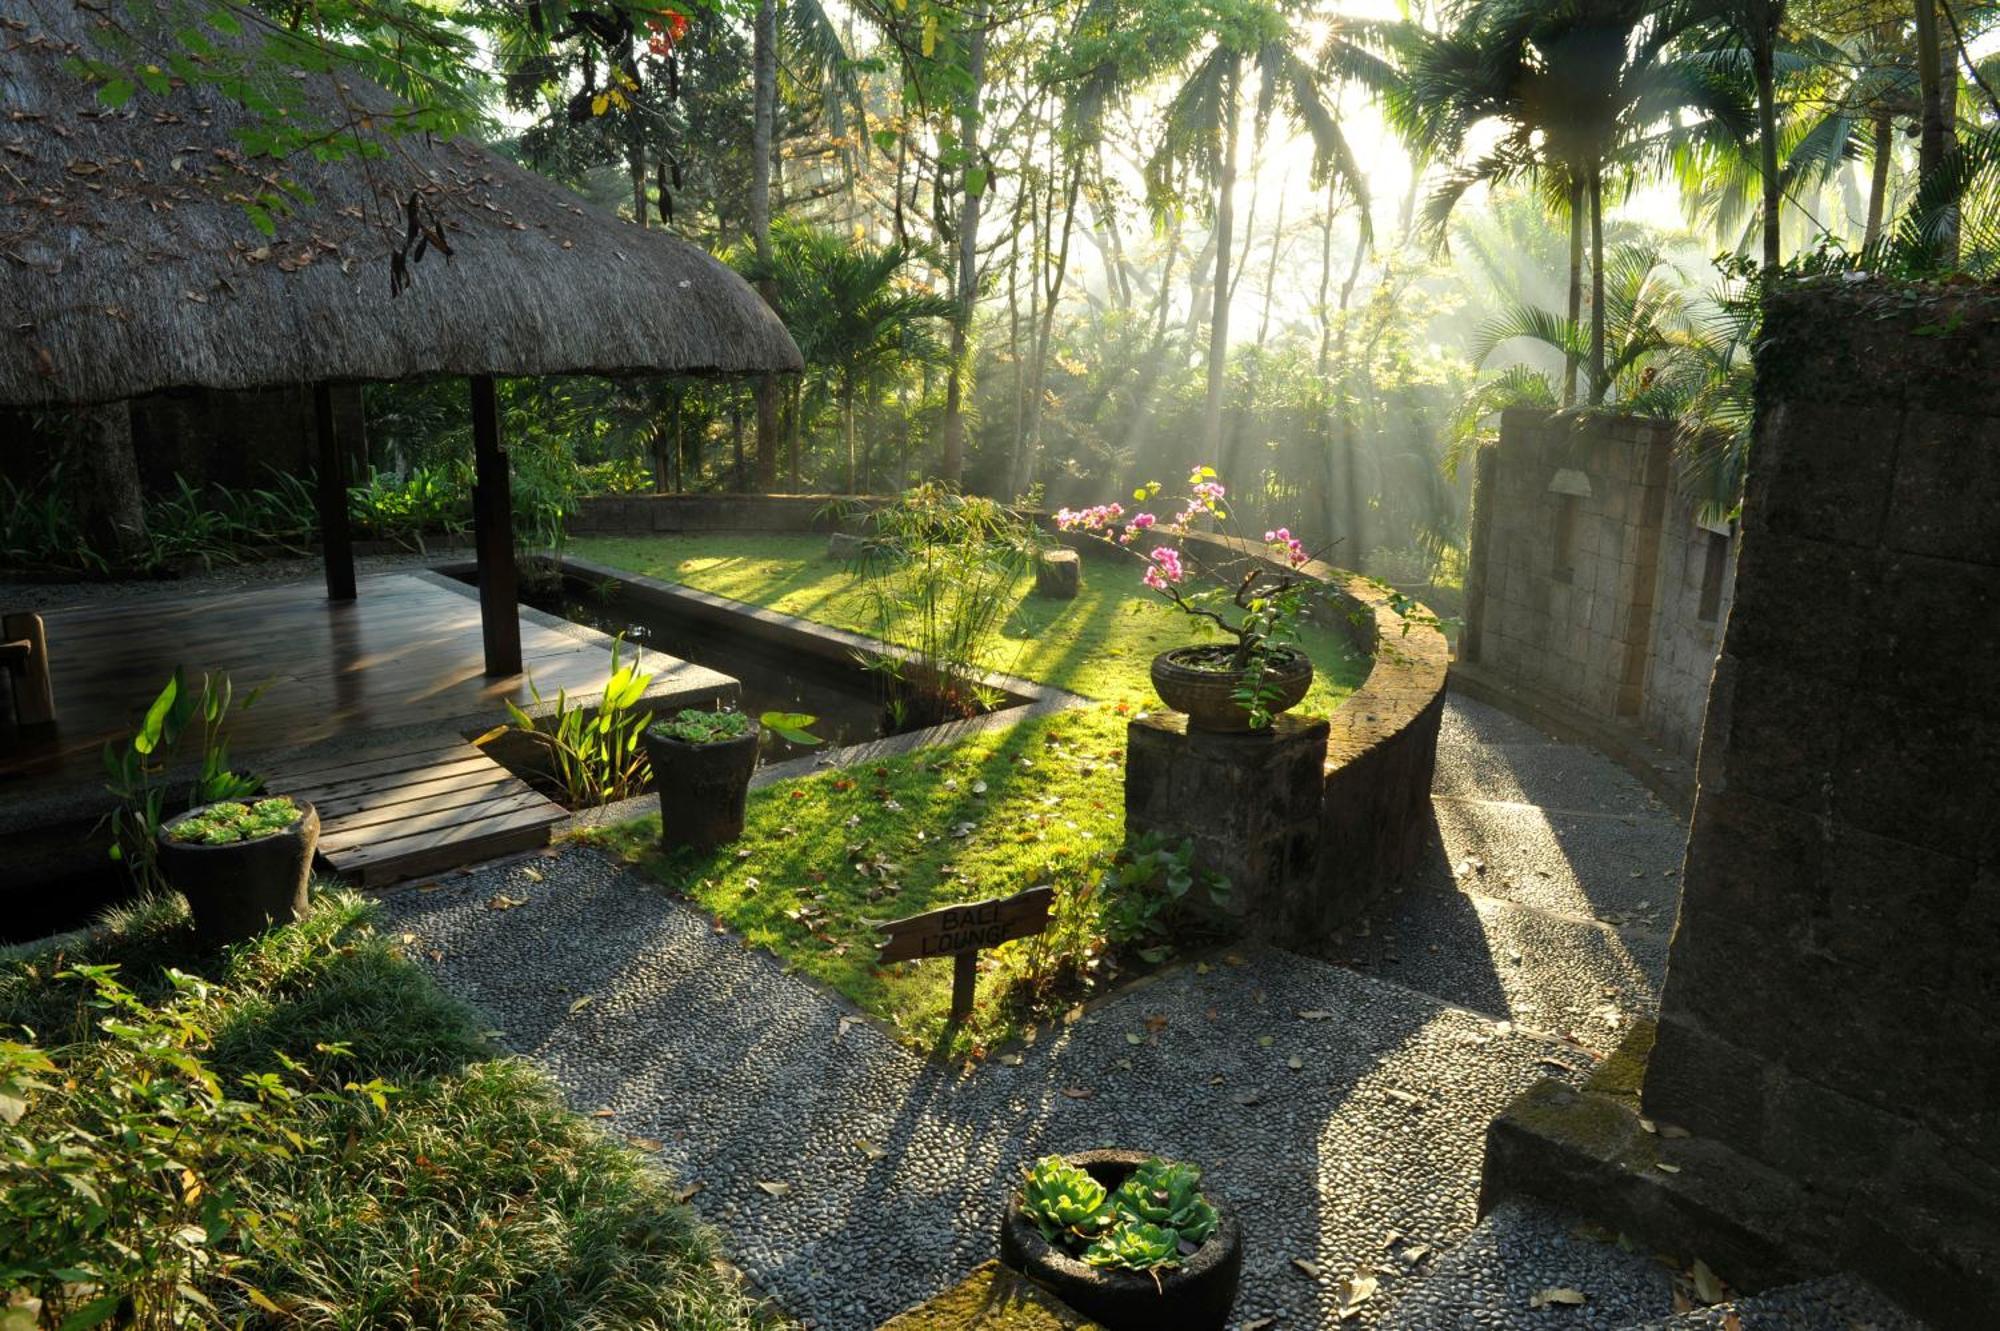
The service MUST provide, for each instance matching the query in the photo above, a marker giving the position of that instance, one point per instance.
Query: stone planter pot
(239, 890)
(1194, 1296)
(702, 787)
(1208, 696)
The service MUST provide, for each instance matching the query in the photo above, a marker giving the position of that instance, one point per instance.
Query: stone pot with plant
(1233, 686)
(1127, 1239)
(242, 865)
(702, 762)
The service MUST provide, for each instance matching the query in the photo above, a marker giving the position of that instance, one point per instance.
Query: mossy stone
(992, 1298)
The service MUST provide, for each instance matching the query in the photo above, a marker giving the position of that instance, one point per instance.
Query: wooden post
(24, 651)
(959, 932)
(336, 545)
(493, 534)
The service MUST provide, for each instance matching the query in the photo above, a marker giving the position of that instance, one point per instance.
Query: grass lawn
(309, 1133)
(1039, 802)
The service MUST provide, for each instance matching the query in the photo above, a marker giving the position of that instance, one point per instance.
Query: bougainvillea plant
(1261, 608)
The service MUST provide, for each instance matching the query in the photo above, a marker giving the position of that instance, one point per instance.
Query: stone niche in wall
(1829, 1032)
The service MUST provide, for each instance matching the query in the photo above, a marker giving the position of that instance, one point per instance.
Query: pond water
(849, 700)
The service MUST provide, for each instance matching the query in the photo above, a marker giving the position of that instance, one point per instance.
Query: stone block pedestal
(1059, 575)
(1250, 803)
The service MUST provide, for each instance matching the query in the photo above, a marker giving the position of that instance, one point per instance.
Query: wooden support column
(493, 534)
(335, 543)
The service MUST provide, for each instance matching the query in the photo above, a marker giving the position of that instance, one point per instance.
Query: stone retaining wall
(635, 515)
(1593, 583)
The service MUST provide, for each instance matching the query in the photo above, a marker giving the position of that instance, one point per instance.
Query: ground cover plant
(307, 1132)
(1039, 802)
(1152, 1220)
(230, 821)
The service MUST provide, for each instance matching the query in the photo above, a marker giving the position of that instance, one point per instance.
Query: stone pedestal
(1059, 575)
(1251, 804)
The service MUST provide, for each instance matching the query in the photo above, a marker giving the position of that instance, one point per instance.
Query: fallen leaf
(649, 1143)
(1311, 1269)
(775, 1189)
(1666, 1168)
(1078, 1092)
(606, 1112)
(870, 1151)
(1572, 1298)
(1672, 1133)
(1354, 1291)
(1260, 1324)
(502, 901)
(1295, 1062)
(532, 874)
(581, 1003)
(688, 1194)
(1708, 1287)
(1314, 1014)
(1133, 1037)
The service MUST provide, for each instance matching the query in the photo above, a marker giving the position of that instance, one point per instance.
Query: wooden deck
(390, 816)
(403, 656)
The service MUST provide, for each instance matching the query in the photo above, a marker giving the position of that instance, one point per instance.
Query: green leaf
(148, 737)
(975, 181)
(790, 726)
(261, 219)
(94, 1313)
(885, 140)
(116, 93)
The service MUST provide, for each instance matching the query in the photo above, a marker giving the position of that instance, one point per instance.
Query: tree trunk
(635, 159)
(1326, 281)
(1271, 275)
(847, 411)
(1930, 138)
(1570, 358)
(951, 466)
(1765, 57)
(795, 409)
(1883, 148)
(1343, 468)
(1597, 384)
(1218, 328)
(1045, 336)
(763, 126)
(103, 475)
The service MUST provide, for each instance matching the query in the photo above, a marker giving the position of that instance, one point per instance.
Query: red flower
(667, 29)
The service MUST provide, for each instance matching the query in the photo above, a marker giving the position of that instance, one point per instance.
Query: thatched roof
(128, 263)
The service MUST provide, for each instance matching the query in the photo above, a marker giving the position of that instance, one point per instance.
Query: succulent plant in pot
(1127, 1239)
(1259, 602)
(243, 865)
(702, 760)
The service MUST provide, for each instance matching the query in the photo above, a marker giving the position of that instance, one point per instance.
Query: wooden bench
(24, 655)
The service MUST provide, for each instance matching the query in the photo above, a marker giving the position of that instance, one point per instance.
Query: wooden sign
(960, 932)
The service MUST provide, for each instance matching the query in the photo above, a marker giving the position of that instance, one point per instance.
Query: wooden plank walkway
(389, 816)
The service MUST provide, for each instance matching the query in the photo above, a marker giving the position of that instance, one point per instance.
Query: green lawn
(1039, 802)
(1099, 645)
(307, 1132)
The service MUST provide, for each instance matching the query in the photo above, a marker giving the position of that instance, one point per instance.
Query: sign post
(959, 932)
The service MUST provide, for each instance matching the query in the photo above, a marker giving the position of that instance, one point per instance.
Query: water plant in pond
(694, 725)
(938, 569)
(1263, 609)
(594, 755)
(1153, 1219)
(229, 821)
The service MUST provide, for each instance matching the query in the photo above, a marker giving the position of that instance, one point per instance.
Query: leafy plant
(594, 754)
(1135, 1246)
(1167, 1195)
(691, 725)
(1149, 892)
(1065, 1202)
(1157, 1215)
(230, 821)
(939, 571)
(137, 770)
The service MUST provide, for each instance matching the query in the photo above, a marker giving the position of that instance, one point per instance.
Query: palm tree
(1201, 128)
(1582, 91)
(855, 311)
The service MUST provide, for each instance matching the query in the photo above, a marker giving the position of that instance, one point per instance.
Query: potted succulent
(702, 761)
(1236, 686)
(242, 865)
(1127, 1239)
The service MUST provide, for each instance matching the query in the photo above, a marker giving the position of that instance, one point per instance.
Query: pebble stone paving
(1338, 1102)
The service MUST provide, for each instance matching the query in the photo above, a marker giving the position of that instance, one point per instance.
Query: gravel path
(854, 1178)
